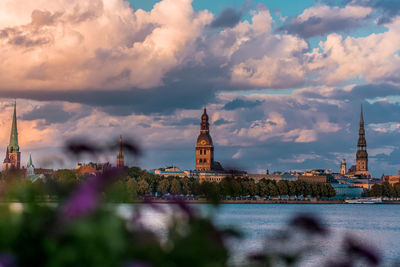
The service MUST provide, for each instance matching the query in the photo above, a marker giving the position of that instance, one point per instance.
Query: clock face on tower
(203, 142)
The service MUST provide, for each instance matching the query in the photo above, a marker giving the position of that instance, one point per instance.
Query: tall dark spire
(13, 155)
(204, 126)
(120, 157)
(362, 143)
(13, 145)
(362, 155)
(120, 147)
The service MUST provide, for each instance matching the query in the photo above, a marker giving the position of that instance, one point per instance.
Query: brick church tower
(204, 146)
(120, 157)
(13, 156)
(362, 155)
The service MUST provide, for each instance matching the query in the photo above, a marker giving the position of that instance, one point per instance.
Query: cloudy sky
(283, 80)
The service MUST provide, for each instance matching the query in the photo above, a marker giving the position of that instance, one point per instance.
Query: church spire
(362, 143)
(13, 145)
(30, 163)
(120, 147)
(362, 117)
(12, 154)
(362, 155)
(120, 157)
(204, 126)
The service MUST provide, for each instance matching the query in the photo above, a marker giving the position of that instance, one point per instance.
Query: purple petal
(86, 197)
(7, 260)
(356, 248)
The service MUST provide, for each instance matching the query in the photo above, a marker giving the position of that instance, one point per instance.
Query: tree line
(385, 190)
(140, 183)
(136, 182)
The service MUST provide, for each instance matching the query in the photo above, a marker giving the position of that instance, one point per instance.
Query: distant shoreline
(204, 201)
(243, 201)
(247, 201)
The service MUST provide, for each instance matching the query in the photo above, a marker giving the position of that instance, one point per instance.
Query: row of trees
(146, 184)
(385, 190)
(136, 182)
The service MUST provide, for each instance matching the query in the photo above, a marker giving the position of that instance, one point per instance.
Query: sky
(283, 81)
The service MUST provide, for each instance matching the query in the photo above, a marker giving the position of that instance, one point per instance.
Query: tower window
(205, 152)
(201, 151)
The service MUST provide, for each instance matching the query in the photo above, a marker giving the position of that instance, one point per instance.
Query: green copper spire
(30, 162)
(13, 146)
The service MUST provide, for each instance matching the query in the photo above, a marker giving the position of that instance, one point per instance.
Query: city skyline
(204, 152)
(283, 85)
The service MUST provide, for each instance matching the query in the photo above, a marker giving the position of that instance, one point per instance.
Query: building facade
(343, 167)
(92, 168)
(204, 146)
(13, 155)
(391, 179)
(120, 157)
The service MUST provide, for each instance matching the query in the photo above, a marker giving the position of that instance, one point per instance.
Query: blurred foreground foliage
(83, 229)
(67, 219)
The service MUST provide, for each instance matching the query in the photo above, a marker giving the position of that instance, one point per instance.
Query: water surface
(376, 225)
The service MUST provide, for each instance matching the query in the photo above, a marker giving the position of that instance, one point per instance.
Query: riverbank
(241, 201)
(246, 201)
(260, 201)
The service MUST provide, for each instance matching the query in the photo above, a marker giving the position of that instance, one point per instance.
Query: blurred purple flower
(339, 263)
(153, 205)
(7, 260)
(78, 147)
(86, 197)
(128, 145)
(184, 207)
(137, 264)
(309, 224)
(355, 247)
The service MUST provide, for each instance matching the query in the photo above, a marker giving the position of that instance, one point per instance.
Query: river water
(375, 225)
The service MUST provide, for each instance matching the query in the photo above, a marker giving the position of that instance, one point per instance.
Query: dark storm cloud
(359, 92)
(184, 88)
(158, 100)
(240, 103)
(320, 26)
(228, 18)
(389, 9)
(221, 122)
(183, 122)
(382, 111)
(50, 113)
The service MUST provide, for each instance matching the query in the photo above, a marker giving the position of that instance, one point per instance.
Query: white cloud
(238, 154)
(373, 57)
(264, 129)
(328, 12)
(299, 158)
(71, 44)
